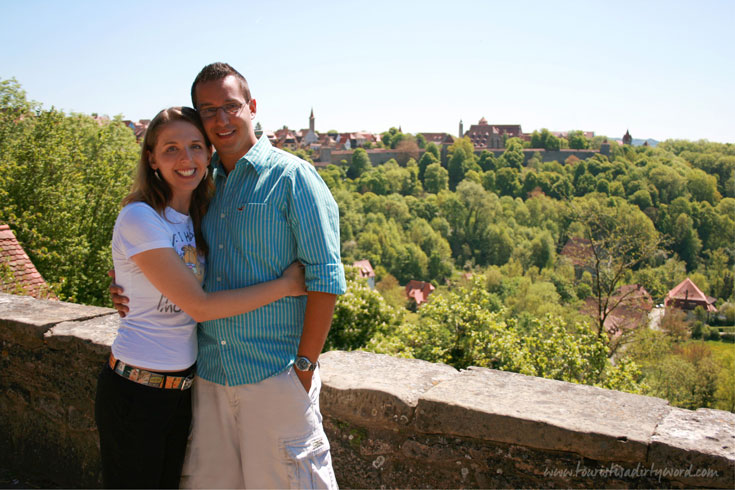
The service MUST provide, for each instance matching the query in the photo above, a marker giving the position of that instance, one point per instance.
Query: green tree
(620, 238)
(543, 250)
(686, 241)
(436, 178)
(703, 187)
(725, 393)
(545, 140)
(358, 315)
(577, 140)
(426, 159)
(392, 137)
(687, 377)
(359, 164)
(513, 155)
(465, 327)
(434, 150)
(507, 182)
(465, 144)
(456, 167)
(61, 185)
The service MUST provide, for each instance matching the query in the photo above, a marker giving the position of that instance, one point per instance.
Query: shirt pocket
(259, 225)
(253, 222)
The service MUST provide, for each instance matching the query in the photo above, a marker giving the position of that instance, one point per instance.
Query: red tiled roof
(480, 132)
(366, 269)
(687, 295)
(438, 138)
(578, 251)
(632, 304)
(419, 291)
(24, 273)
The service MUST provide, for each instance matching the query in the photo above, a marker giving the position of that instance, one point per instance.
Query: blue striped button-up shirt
(272, 209)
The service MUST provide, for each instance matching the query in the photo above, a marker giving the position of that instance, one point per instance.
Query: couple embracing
(259, 230)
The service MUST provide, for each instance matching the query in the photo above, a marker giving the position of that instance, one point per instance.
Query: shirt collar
(256, 157)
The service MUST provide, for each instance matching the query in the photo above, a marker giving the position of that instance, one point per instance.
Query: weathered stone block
(375, 389)
(98, 333)
(540, 413)
(29, 311)
(695, 447)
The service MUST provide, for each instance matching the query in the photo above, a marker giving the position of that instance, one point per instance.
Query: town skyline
(422, 66)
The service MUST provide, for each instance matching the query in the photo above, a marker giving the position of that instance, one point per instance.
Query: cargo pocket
(310, 465)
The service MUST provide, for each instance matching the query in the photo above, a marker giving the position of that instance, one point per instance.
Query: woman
(143, 404)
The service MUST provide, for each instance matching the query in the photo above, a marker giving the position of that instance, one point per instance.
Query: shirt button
(223, 343)
(222, 215)
(220, 245)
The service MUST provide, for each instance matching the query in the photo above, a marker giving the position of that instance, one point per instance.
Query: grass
(721, 349)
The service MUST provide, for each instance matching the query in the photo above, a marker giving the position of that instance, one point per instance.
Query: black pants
(143, 432)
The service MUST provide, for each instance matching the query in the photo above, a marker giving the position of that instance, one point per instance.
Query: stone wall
(380, 156)
(391, 422)
(546, 155)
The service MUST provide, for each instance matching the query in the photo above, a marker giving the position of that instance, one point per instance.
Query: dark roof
(419, 291)
(578, 251)
(631, 305)
(24, 274)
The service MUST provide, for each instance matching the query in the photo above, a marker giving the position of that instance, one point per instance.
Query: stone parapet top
(542, 413)
(43, 314)
(378, 389)
(484, 404)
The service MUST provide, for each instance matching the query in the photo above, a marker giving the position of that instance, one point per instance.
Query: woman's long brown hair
(156, 192)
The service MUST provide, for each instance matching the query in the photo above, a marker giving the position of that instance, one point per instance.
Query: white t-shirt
(155, 334)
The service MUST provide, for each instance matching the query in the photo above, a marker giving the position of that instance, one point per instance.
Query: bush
(714, 334)
(697, 329)
(584, 290)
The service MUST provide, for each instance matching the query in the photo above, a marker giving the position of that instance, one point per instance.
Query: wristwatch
(304, 364)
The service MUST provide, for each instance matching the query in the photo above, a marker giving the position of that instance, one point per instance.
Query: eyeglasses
(232, 108)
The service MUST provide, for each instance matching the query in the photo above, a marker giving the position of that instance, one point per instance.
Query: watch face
(302, 364)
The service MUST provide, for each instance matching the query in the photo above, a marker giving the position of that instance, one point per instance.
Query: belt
(149, 378)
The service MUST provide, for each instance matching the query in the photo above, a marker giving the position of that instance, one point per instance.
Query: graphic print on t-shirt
(188, 253)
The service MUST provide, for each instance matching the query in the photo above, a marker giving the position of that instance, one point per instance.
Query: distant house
(439, 139)
(285, 138)
(628, 309)
(579, 252)
(366, 271)
(17, 272)
(484, 135)
(138, 128)
(687, 296)
(419, 291)
(565, 134)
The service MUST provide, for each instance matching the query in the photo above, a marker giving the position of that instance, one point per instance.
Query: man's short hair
(218, 71)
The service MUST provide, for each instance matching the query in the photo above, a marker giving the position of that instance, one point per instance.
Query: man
(256, 396)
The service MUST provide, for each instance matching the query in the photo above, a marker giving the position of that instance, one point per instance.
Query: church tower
(461, 128)
(311, 136)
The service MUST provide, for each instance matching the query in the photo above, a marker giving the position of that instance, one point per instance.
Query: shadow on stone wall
(391, 422)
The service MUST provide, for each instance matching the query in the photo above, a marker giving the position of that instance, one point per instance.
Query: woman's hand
(294, 279)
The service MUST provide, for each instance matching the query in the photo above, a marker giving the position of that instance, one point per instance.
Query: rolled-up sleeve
(314, 220)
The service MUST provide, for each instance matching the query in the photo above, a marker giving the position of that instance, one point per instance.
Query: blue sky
(662, 69)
